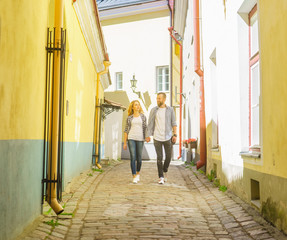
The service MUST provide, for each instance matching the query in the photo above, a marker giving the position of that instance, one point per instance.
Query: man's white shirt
(159, 130)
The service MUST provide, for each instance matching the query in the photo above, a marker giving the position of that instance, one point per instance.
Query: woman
(135, 133)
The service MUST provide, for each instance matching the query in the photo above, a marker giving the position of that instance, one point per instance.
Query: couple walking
(161, 125)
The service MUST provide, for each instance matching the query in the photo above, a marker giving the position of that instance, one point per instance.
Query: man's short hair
(163, 94)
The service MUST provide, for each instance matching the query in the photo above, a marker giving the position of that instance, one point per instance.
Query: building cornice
(88, 18)
(136, 9)
(180, 16)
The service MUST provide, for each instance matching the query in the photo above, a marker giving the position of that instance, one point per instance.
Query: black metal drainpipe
(46, 124)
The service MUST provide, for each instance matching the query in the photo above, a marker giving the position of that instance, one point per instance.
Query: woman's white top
(136, 131)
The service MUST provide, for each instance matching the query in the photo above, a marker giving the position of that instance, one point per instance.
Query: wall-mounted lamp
(134, 86)
(176, 93)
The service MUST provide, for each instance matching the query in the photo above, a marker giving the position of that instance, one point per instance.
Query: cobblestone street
(109, 206)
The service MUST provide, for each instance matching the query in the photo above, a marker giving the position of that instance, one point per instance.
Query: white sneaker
(161, 180)
(165, 176)
(138, 177)
(135, 180)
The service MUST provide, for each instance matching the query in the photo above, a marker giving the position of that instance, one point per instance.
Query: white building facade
(230, 61)
(138, 41)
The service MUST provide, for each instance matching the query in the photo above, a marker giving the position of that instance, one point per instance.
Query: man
(162, 126)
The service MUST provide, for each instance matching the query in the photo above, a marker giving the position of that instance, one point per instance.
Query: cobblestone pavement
(109, 206)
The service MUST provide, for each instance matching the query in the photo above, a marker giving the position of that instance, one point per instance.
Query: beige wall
(273, 57)
(80, 84)
(231, 44)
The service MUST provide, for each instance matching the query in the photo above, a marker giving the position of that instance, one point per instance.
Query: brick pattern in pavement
(187, 206)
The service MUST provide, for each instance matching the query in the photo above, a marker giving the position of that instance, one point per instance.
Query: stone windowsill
(215, 149)
(250, 154)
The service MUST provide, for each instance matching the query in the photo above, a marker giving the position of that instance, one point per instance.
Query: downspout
(96, 140)
(99, 138)
(52, 176)
(106, 64)
(180, 80)
(200, 73)
(170, 6)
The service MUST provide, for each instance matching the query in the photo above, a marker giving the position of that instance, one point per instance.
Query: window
(119, 81)
(254, 80)
(162, 79)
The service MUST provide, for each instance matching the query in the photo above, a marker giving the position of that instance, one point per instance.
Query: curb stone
(74, 193)
(259, 227)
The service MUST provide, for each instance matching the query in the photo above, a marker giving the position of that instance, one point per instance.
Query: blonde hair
(131, 111)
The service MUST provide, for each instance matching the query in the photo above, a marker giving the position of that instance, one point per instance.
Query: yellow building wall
(80, 99)
(175, 72)
(273, 55)
(23, 29)
(22, 69)
(80, 83)
(22, 94)
(176, 82)
(23, 36)
(273, 58)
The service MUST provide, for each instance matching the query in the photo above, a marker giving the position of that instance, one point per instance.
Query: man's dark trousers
(168, 150)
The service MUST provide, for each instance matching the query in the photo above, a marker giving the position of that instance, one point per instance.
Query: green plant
(67, 214)
(216, 182)
(98, 170)
(52, 223)
(47, 213)
(222, 188)
(188, 164)
(90, 175)
(211, 176)
(200, 171)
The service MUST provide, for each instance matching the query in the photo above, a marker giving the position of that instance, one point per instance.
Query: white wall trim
(245, 8)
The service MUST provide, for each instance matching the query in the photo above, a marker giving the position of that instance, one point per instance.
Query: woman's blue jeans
(136, 149)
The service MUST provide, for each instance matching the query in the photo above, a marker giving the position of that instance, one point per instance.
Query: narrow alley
(88, 86)
(108, 205)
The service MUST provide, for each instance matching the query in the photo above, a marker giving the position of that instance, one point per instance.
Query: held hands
(125, 146)
(147, 139)
(173, 139)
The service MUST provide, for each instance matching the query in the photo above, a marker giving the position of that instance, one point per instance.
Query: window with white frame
(119, 81)
(162, 79)
(254, 80)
